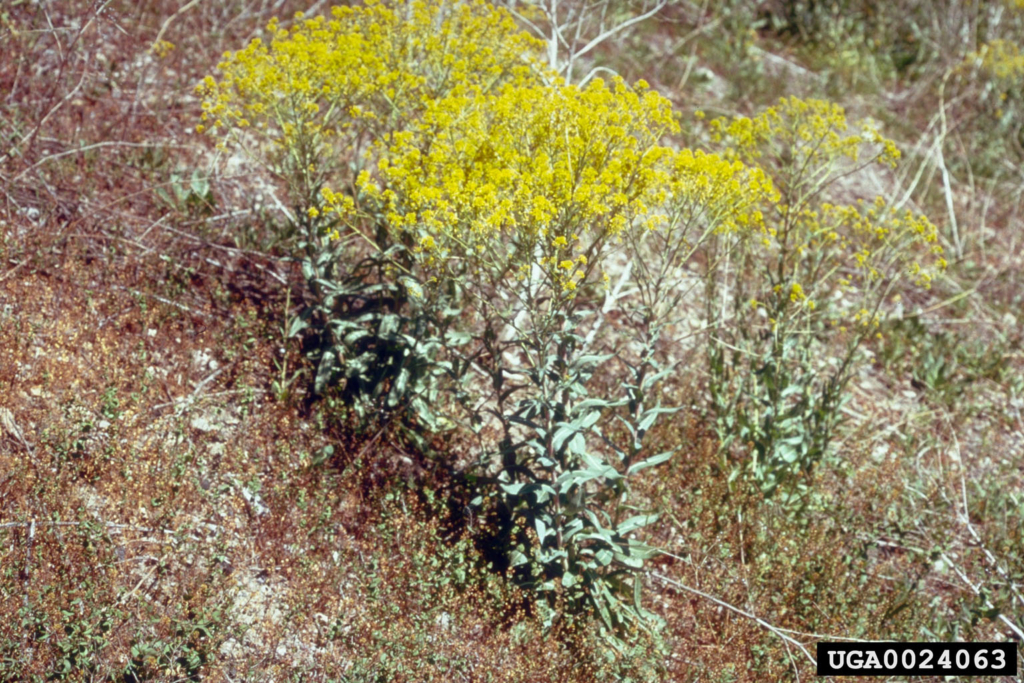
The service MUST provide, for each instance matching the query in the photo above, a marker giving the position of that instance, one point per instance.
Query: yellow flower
(161, 48)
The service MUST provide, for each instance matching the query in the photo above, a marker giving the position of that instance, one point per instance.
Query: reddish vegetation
(168, 511)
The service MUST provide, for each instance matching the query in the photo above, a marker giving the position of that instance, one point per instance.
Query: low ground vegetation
(409, 342)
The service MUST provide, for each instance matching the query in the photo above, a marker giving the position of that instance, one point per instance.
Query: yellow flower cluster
(853, 249)
(436, 125)
(549, 174)
(1003, 60)
(996, 69)
(805, 138)
(547, 161)
(161, 48)
(811, 249)
(327, 84)
(436, 120)
(881, 239)
(719, 192)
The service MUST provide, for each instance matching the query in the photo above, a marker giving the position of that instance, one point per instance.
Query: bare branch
(760, 622)
(612, 31)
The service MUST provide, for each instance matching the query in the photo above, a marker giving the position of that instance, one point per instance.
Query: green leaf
(642, 551)
(570, 478)
(424, 412)
(398, 388)
(634, 523)
(299, 323)
(516, 557)
(596, 464)
(543, 492)
(584, 361)
(787, 453)
(542, 529)
(629, 560)
(561, 434)
(324, 371)
(457, 337)
(162, 194)
(513, 489)
(591, 403)
(649, 416)
(571, 529)
(389, 324)
(199, 185)
(602, 608)
(323, 258)
(655, 378)
(599, 530)
(355, 335)
(590, 419)
(652, 461)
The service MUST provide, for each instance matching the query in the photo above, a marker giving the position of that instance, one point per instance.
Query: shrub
(806, 295)
(462, 213)
(314, 106)
(994, 74)
(515, 204)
